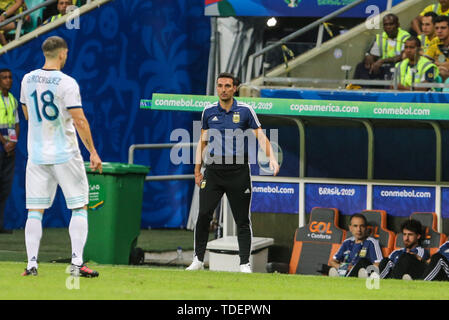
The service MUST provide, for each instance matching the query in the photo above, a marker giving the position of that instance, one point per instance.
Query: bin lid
(119, 168)
(230, 243)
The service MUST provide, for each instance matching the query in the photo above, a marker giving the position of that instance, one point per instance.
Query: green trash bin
(114, 212)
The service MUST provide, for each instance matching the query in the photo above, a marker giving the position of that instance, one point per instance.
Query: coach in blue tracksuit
(227, 125)
(356, 252)
(409, 260)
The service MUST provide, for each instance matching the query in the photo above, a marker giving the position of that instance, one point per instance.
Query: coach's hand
(198, 178)
(95, 162)
(274, 166)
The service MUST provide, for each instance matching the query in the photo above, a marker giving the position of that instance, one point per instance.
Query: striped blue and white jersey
(351, 252)
(420, 251)
(48, 95)
(444, 250)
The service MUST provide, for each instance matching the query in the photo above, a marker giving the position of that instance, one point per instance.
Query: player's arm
(199, 156)
(268, 149)
(25, 111)
(83, 129)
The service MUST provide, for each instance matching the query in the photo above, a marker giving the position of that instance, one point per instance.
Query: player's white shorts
(42, 181)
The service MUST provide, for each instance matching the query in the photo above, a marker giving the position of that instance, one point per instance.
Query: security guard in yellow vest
(9, 133)
(387, 48)
(414, 68)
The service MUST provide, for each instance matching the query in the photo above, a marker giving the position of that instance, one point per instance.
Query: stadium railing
(313, 25)
(154, 146)
(23, 38)
(392, 84)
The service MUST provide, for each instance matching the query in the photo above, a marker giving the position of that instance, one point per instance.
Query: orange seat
(377, 225)
(432, 238)
(316, 243)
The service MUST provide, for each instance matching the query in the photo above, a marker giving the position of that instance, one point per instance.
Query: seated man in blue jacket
(410, 261)
(356, 252)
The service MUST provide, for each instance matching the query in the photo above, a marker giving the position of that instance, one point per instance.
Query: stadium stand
(36, 16)
(432, 239)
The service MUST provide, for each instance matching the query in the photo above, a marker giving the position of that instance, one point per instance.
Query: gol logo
(320, 227)
(374, 231)
(427, 236)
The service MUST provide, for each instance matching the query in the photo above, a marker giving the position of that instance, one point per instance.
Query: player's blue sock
(78, 234)
(33, 235)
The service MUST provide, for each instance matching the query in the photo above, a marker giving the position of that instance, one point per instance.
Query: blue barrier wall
(123, 52)
(403, 150)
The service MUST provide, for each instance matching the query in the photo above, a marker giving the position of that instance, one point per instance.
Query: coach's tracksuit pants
(235, 181)
(438, 268)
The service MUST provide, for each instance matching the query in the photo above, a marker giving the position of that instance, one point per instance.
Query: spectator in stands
(440, 9)
(9, 8)
(438, 268)
(356, 252)
(438, 52)
(428, 30)
(363, 71)
(415, 68)
(387, 48)
(410, 260)
(62, 10)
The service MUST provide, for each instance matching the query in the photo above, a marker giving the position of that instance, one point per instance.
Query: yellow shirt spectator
(425, 42)
(434, 52)
(432, 8)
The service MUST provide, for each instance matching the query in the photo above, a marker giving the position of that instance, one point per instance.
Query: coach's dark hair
(414, 226)
(227, 75)
(358, 215)
(441, 19)
(51, 46)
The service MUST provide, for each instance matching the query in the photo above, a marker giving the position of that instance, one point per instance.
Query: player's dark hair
(413, 226)
(442, 19)
(413, 38)
(227, 75)
(358, 215)
(52, 44)
(431, 14)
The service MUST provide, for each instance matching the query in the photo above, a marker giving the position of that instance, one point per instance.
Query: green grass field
(55, 243)
(144, 282)
(151, 282)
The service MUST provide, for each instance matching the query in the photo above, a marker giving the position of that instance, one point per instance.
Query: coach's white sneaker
(196, 265)
(246, 268)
